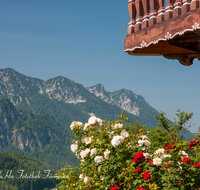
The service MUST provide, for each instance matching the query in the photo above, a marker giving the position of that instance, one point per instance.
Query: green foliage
(166, 133)
(136, 127)
(13, 178)
(165, 162)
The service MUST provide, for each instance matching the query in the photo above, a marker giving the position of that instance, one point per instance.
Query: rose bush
(114, 157)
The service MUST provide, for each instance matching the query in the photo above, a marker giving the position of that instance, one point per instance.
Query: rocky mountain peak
(64, 89)
(100, 92)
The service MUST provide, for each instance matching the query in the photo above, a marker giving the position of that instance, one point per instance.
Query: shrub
(114, 157)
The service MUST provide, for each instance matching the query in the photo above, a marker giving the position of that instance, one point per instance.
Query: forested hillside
(22, 173)
(36, 136)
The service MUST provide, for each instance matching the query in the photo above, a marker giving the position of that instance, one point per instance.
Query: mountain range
(35, 114)
(67, 100)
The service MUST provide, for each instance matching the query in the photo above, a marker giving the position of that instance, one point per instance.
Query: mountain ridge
(124, 98)
(61, 101)
(69, 101)
(61, 93)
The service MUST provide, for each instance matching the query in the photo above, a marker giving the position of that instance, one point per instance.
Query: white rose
(106, 154)
(98, 159)
(143, 137)
(165, 156)
(86, 140)
(75, 124)
(118, 126)
(86, 179)
(101, 178)
(183, 153)
(124, 133)
(74, 148)
(140, 142)
(93, 151)
(83, 160)
(99, 121)
(84, 153)
(92, 120)
(146, 155)
(85, 128)
(157, 161)
(160, 151)
(111, 133)
(81, 176)
(147, 143)
(144, 142)
(117, 140)
(83, 140)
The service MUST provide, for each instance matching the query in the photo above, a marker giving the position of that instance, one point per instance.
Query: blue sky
(83, 41)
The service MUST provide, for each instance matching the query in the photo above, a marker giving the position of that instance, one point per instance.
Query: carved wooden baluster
(177, 8)
(161, 11)
(153, 14)
(194, 4)
(146, 13)
(169, 9)
(185, 7)
(132, 14)
(139, 10)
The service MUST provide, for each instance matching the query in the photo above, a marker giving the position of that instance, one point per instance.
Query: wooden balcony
(172, 31)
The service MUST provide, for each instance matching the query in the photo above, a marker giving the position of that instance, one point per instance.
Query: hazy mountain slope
(130, 102)
(37, 136)
(134, 104)
(127, 101)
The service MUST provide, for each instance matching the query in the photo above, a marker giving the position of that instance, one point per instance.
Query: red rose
(139, 156)
(140, 188)
(191, 144)
(172, 146)
(167, 147)
(167, 165)
(194, 143)
(138, 170)
(186, 159)
(146, 175)
(135, 160)
(142, 159)
(150, 161)
(115, 187)
(197, 165)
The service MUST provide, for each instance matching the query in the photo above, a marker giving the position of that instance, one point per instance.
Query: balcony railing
(146, 13)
